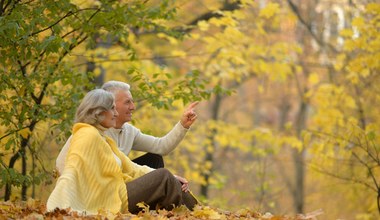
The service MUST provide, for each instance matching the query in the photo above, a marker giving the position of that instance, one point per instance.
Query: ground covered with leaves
(37, 210)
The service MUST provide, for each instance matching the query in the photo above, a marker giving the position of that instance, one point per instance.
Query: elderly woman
(98, 176)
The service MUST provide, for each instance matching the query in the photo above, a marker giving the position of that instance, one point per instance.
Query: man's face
(124, 106)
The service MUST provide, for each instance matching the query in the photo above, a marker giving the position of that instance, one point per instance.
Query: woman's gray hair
(115, 86)
(95, 102)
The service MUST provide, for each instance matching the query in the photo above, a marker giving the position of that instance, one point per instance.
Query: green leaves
(43, 45)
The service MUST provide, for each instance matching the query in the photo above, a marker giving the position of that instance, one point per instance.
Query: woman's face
(109, 117)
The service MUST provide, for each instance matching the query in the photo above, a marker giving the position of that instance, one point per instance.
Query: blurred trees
(292, 89)
(288, 66)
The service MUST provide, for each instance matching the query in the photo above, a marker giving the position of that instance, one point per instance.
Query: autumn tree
(350, 144)
(42, 78)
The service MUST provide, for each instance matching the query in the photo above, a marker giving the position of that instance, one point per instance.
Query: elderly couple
(95, 172)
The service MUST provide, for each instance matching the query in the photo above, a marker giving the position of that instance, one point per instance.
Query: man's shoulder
(126, 129)
(129, 127)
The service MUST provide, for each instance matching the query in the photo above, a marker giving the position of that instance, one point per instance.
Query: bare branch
(368, 168)
(308, 27)
(348, 179)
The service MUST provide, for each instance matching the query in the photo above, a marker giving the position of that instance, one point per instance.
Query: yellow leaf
(346, 33)
(353, 77)
(365, 72)
(207, 213)
(306, 138)
(179, 53)
(313, 79)
(238, 14)
(269, 11)
(195, 36)
(144, 206)
(338, 65)
(203, 25)
(373, 7)
(358, 22)
(24, 132)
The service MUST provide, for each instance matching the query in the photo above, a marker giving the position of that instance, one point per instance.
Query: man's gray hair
(114, 86)
(94, 102)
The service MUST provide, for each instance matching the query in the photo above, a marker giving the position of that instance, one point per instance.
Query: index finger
(192, 105)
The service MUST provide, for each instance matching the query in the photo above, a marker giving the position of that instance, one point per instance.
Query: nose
(132, 106)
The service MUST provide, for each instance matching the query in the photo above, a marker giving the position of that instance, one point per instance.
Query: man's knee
(164, 173)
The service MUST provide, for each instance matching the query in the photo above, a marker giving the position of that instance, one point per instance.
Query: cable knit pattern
(91, 179)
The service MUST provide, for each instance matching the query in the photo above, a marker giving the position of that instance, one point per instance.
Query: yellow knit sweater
(92, 180)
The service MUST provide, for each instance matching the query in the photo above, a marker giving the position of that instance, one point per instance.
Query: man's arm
(160, 145)
(164, 145)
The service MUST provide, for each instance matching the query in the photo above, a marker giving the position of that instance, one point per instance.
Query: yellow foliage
(223, 21)
(203, 25)
(24, 132)
(172, 40)
(358, 22)
(195, 36)
(206, 213)
(347, 33)
(313, 79)
(339, 62)
(179, 53)
(239, 15)
(270, 10)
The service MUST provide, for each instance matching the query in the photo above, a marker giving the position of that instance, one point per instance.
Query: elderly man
(128, 137)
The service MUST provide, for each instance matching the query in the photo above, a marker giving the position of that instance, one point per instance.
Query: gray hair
(115, 86)
(95, 102)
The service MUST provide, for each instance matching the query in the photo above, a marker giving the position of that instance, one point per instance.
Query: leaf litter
(36, 210)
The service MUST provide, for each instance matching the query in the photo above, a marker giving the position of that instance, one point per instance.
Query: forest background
(289, 114)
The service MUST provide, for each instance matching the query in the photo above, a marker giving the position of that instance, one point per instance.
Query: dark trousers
(154, 161)
(158, 189)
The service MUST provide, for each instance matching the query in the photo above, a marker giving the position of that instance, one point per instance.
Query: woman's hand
(184, 182)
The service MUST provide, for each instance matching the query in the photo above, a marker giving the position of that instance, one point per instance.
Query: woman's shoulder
(80, 129)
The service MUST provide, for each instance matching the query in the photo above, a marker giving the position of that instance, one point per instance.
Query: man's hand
(184, 182)
(189, 116)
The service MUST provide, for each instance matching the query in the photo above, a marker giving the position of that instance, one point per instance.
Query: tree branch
(308, 27)
(348, 179)
(62, 18)
(227, 6)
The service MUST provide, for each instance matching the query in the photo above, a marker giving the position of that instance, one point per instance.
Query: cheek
(123, 109)
(120, 109)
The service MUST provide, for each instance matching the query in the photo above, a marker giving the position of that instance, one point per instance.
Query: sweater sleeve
(130, 169)
(60, 162)
(159, 145)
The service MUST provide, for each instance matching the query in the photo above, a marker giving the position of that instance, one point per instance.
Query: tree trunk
(8, 186)
(24, 187)
(298, 159)
(209, 154)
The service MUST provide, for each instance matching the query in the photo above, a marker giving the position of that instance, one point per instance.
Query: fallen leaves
(37, 210)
